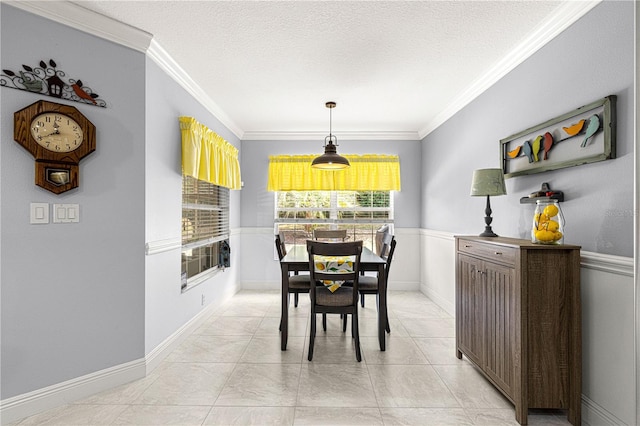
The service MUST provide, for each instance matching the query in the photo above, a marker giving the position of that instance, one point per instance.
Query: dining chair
(336, 235)
(297, 283)
(369, 284)
(331, 264)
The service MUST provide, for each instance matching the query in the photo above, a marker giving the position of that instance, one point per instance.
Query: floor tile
(425, 417)
(470, 388)
(332, 416)
(438, 350)
(410, 386)
(335, 385)
(204, 348)
(261, 385)
(399, 350)
(187, 384)
(266, 350)
(230, 326)
(76, 414)
(163, 415)
(429, 327)
(264, 416)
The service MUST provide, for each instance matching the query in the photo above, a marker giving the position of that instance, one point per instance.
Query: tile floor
(230, 371)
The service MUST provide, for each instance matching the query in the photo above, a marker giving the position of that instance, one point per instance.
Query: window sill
(200, 278)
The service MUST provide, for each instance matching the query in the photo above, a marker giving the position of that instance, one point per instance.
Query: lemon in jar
(550, 211)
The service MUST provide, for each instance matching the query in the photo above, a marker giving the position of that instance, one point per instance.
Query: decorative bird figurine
(574, 129)
(548, 143)
(535, 147)
(514, 152)
(526, 149)
(30, 83)
(592, 128)
(77, 88)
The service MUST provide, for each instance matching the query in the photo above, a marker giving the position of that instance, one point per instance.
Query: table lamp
(488, 182)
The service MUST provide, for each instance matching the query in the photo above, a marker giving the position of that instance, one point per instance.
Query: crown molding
(75, 16)
(160, 56)
(88, 21)
(566, 14)
(345, 136)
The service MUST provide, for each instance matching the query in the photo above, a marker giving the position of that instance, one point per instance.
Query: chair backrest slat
(330, 234)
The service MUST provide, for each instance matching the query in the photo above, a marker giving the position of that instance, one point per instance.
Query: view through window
(361, 213)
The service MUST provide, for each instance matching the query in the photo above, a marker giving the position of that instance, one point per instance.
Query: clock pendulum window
(58, 136)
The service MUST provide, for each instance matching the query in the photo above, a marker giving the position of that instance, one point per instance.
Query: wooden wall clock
(58, 136)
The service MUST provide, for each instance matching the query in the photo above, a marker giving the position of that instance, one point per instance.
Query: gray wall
(258, 202)
(73, 294)
(167, 308)
(588, 61)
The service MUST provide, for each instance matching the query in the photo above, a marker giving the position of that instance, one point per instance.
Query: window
(362, 213)
(205, 228)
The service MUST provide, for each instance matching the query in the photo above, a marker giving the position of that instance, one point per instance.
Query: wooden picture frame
(581, 136)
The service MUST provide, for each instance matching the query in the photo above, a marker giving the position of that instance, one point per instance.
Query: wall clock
(58, 136)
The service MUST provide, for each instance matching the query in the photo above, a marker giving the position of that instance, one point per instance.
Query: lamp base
(488, 233)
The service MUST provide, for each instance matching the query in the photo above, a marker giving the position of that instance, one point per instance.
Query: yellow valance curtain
(207, 156)
(367, 173)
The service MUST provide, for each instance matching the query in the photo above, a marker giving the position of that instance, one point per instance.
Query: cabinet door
(470, 311)
(501, 330)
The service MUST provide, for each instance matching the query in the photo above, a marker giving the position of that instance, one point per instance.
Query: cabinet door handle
(499, 253)
(467, 246)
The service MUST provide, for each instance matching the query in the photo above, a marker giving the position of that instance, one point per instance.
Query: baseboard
(442, 302)
(160, 352)
(53, 396)
(28, 404)
(595, 415)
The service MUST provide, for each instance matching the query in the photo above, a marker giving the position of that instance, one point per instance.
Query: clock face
(56, 132)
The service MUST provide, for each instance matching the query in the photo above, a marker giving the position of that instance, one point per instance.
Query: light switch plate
(66, 213)
(39, 213)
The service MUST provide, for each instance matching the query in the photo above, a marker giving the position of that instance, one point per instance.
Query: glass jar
(548, 223)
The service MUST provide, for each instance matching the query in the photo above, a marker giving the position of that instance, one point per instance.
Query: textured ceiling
(391, 66)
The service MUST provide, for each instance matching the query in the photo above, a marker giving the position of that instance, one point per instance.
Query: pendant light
(330, 160)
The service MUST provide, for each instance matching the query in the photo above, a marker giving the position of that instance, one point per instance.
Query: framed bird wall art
(581, 136)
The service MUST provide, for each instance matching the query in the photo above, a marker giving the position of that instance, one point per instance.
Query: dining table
(297, 259)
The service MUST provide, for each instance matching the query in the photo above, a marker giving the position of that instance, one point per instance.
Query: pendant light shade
(330, 160)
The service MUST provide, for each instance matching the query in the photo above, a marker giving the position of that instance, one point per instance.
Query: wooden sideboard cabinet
(518, 320)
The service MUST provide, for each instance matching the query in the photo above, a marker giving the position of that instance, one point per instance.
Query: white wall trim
(175, 71)
(591, 260)
(168, 244)
(595, 415)
(565, 15)
(88, 21)
(62, 393)
(76, 16)
(314, 136)
(160, 246)
(607, 263)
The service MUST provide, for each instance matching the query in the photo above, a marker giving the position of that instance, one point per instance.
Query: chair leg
(295, 299)
(356, 334)
(312, 334)
(362, 299)
(324, 322)
(344, 323)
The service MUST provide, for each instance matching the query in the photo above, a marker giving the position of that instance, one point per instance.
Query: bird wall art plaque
(585, 135)
(47, 79)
